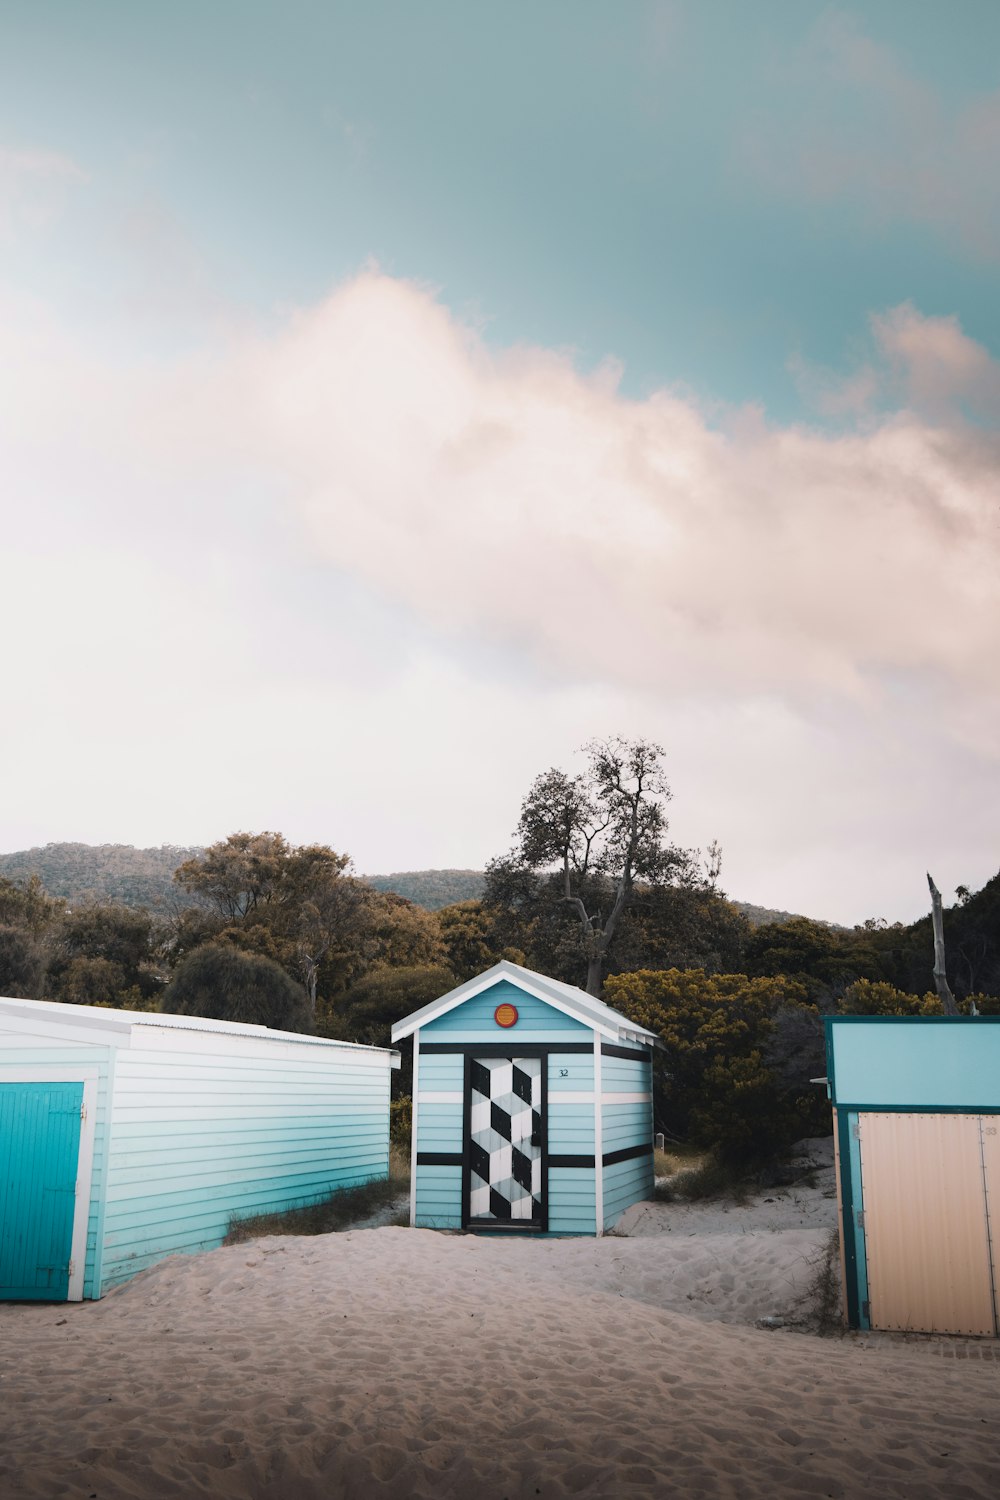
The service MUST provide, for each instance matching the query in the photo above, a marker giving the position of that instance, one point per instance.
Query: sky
(395, 397)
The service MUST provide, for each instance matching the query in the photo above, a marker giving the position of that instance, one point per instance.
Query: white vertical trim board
(652, 1117)
(598, 1138)
(414, 1128)
(84, 1177)
(88, 1076)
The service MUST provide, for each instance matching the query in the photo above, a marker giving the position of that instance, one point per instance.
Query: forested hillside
(432, 889)
(144, 877)
(103, 872)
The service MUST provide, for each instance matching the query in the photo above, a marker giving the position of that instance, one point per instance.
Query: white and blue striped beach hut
(532, 1107)
(126, 1136)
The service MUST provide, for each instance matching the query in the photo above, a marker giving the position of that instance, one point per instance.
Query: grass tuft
(339, 1211)
(824, 1296)
(679, 1158)
(706, 1179)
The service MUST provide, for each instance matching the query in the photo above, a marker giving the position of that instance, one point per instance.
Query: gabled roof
(565, 997)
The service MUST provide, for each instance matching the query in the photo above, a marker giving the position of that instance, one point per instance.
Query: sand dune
(402, 1363)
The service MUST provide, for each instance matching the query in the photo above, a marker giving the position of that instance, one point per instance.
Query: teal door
(39, 1153)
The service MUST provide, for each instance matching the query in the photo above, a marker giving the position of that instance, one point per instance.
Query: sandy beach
(395, 1362)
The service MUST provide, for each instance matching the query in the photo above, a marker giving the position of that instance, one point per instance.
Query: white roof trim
(125, 1022)
(90, 1017)
(567, 998)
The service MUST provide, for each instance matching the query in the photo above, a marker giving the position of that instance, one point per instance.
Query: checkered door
(505, 1140)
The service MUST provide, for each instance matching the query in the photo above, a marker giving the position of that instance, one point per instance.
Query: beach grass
(341, 1210)
(700, 1178)
(678, 1158)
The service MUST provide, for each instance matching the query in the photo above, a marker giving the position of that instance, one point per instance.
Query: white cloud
(807, 620)
(627, 540)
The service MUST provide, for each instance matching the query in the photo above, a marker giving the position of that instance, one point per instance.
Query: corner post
(598, 1137)
(415, 1086)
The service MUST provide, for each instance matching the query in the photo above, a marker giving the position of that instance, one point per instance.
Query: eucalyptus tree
(590, 841)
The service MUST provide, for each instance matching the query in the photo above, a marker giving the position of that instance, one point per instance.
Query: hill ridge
(135, 876)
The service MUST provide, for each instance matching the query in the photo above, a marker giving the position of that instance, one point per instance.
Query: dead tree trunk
(940, 977)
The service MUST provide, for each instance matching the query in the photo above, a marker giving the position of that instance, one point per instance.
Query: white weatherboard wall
(199, 1123)
(599, 1099)
(208, 1128)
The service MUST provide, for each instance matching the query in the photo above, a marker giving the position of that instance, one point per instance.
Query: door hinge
(856, 1131)
(71, 1268)
(866, 1310)
(83, 1111)
(859, 1218)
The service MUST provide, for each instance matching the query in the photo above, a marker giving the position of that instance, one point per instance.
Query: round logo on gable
(505, 1014)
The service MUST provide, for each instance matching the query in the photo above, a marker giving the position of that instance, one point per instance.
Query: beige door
(926, 1235)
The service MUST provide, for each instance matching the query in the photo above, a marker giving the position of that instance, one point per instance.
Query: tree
(29, 918)
(403, 935)
(737, 1055)
(590, 838)
(107, 954)
(680, 927)
(295, 905)
(381, 997)
(22, 963)
(92, 981)
(237, 875)
(471, 940)
(865, 998)
(220, 981)
(822, 958)
(27, 905)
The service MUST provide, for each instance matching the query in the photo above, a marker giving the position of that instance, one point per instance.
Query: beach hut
(532, 1107)
(126, 1136)
(916, 1105)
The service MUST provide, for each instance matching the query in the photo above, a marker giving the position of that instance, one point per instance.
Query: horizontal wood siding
(578, 1068)
(625, 1125)
(27, 1051)
(626, 1182)
(572, 1200)
(201, 1138)
(439, 1198)
(571, 1128)
(439, 1126)
(473, 1021)
(441, 1071)
(624, 1075)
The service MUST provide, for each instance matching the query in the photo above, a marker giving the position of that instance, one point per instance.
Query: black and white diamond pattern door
(505, 1140)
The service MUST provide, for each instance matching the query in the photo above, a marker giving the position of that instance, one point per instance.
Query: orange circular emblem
(505, 1015)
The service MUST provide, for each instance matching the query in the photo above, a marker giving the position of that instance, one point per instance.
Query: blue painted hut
(916, 1104)
(532, 1107)
(126, 1137)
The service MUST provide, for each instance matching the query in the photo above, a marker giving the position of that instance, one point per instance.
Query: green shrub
(220, 981)
(738, 1053)
(401, 1121)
